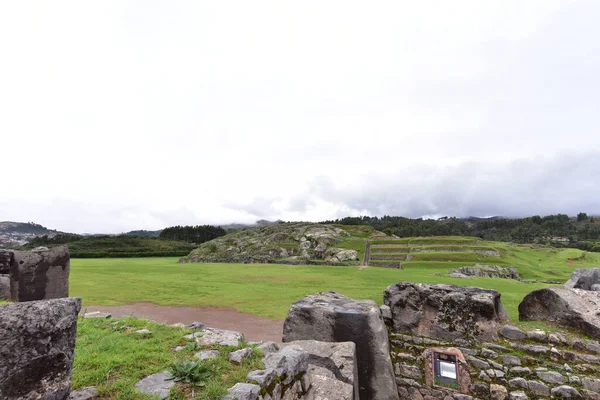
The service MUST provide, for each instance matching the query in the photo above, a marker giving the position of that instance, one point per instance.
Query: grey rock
(477, 363)
(143, 332)
(480, 390)
(386, 312)
(574, 379)
(539, 388)
(460, 396)
(520, 371)
(156, 385)
(458, 275)
(486, 271)
(5, 287)
(565, 392)
(496, 365)
(408, 371)
(554, 338)
(86, 393)
(408, 382)
(331, 317)
(518, 395)
(268, 347)
(336, 255)
(518, 383)
(263, 377)
(551, 377)
(37, 343)
(484, 376)
(591, 384)
(593, 347)
(445, 312)
(512, 332)
(207, 354)
(537, 335)
(332, 369)
(498, 392)
(511, 360)
(196, 326)
(97, 314)
(289, 361)
(573, 308)
(589, 395)
(239, 356)
(496, 347)
(244, 391)
(40, 274)
(531, 348)
(222, 337)
(487, 353)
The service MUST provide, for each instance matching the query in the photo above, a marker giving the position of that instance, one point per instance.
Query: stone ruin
(40, 274)
(38, 329)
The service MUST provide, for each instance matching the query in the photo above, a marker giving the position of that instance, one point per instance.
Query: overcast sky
(122, 115)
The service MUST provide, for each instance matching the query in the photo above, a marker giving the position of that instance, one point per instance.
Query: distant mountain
(14, 234)
(258, 224)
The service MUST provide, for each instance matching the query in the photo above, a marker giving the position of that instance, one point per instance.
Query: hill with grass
(291, 243)
(14, 234)
(113, 246)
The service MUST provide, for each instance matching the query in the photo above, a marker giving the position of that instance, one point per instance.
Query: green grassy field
(267, 290)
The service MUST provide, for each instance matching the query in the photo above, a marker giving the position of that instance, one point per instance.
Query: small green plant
(192, 346)
(192, 372)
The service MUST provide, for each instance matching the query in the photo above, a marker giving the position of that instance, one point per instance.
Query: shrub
(192, 372)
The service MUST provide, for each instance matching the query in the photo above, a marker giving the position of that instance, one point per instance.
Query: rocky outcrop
(37, 343)
(331, 317)
(4, 287)
(445, 311)
(487, 271)
(573, 308)
(285, 242)
(5, 260)
(40, 274)
(332, 369)
(585, 278)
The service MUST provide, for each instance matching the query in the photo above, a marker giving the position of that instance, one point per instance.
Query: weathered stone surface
(512, 332)
(143, 332)
(518, 395)
(539, 388)
(445, 311)
(511, 360)
(518, 383)
(156, 385)
(551, 377)
(520, 371)
(591, 384)
(207, 354)
(86, 393)
(565, 392)
(289, 361)
(40, 275)
(4, 287)
(331, 317)
(240, 355)
(244, 391)
(6, 257)
(332, 369)
(268, 347)
(263, 377)
(585, 279)
(37, 342)
(477, 363)
(222, 337)
(498, 392)
(537, 335)
(486, 271)
(573, 308)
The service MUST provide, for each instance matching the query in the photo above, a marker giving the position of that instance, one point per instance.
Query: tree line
(193, 234)
(581, 231)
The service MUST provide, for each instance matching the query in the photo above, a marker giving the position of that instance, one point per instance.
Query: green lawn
(268, 290)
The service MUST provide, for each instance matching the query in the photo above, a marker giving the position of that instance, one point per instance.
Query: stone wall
(37, 343)
(40, 274)
(5, 260)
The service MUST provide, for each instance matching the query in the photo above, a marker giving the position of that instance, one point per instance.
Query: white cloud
(120, 115)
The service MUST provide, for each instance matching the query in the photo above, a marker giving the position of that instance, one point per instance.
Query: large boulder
(332, 369)
(573, 308)
(40, 274)
(585, 278)
(487, 271)
(445, 311)
(332, 317)
(37, 343)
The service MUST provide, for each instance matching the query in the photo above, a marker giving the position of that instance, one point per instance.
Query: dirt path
(254, 328)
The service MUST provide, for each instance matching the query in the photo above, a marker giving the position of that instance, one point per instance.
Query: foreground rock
(40, 274)
(486, 271)
(157, 385)
(445, 311)
(331, 317)
(332, 369)
(573, 308)
(37, 343)
(222, 337)
(86, 393)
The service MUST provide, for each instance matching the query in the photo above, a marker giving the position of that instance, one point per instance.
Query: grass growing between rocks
(112, 357)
